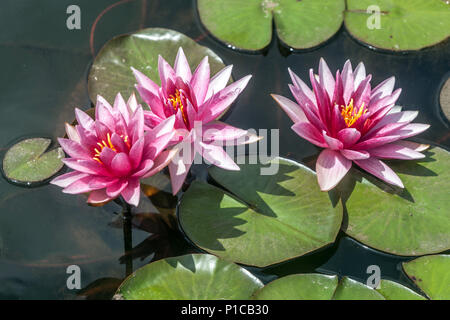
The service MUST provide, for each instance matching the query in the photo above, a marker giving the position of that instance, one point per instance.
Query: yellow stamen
(176, 101)
(107, 144)
(352, 114)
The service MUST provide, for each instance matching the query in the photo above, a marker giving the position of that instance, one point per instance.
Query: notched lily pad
(189, 277)
(431, 274)
(111, 71)
(27, 162)
(412, 221)
(399, 25)
(266, 217)
(325, 287)
(248, 24)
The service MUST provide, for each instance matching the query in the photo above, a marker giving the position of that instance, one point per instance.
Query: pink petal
(132, 104)
(395, 151)
(104, 115)
(359, 75)
(98, 196)
(347, 82)
(200, 80)
(384, 89)
(411, 129)
(308, 132)
(151, 120)
(303, 88)
(120, 106)
(136, 152)
(120, 165)
(101, 182)
(66, 179)
(72, 133)
(161, 162)
(79, 186)
(86, 166)
(143, 168)
(323, 101)
(292, 109)
(362, 94)
(216, 156)
(219, 131)
(74, 149)
(106, 156)
(355, 154)
(331, 167)
(115, 189)
(222, 100)
(349, 136)
(145, 82)
(153, 101)
(153, 148)
(383, 102)
(181, 66)
(333, 144)
(178, 172)
(219, 81)
(311, 111)
(419, 147)
(136, 126)
(326, 78)
(84, 120)
(101, 130)
(380, 170)
(132, 192)
(166, 74)
(398, 117)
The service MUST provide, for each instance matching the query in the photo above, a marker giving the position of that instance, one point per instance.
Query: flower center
(108, 144)
(177, 103)
(352, 114)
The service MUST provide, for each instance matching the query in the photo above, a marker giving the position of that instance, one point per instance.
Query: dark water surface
(43, 76)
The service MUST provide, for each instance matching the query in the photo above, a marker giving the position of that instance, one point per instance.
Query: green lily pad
(265, 219)
(325, 287)
(349, 289)
(444, 99)
(27, 162)
(403, 24)
(189, 277)
(111, 71)
(412, 221)
(394, 291)
(431, 274)
(248, 24)
(299, 287)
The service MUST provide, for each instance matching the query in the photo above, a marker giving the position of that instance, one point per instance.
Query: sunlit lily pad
(325, 287)
(391, 290)
(403, 24)
(27, 162)
(349, 289)
(411, 221)
(444, 99)
(299, 287)
(111, 71)
(248, 24)
(263, 219)
(431, 274)
(189, 277)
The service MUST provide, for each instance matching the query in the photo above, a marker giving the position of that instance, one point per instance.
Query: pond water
(44, 76)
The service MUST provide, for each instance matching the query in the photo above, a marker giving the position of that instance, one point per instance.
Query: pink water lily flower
(353, 122)
(109, 155)
(196, 101)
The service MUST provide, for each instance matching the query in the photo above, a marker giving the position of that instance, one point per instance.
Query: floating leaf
(325, 287)
(265, 219)
(403, 24)
(26, 162)
(411, 221)
(299, 287)
(248, 24)
(445, 99)
(394, 291)
(431, 274)
(111, 71)
(349, 289)
(189, 277)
